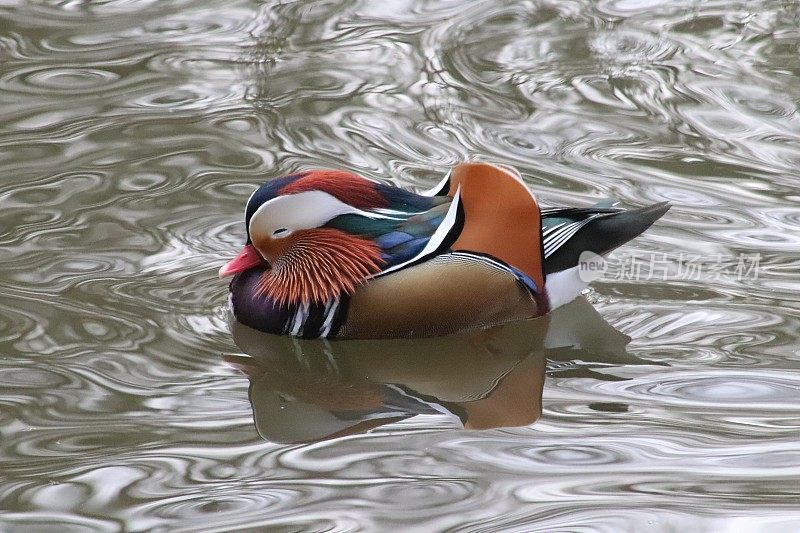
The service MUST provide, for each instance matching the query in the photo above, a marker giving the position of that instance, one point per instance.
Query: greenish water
(131, 135)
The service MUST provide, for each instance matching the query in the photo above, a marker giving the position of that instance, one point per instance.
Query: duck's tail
(568, 232)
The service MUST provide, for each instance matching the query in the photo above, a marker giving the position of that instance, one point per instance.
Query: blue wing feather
(392, 239)
(402, 232)
(405, 251)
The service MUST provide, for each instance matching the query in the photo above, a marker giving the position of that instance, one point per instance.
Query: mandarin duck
(331, 254)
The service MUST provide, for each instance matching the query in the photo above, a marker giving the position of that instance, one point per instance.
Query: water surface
(132, 133)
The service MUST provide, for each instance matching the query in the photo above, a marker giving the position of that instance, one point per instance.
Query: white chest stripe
(300, 317)
(330, 312)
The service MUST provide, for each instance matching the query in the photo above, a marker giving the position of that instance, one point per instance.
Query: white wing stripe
(555, 245)
(556, 237)
(563, 236)
(437, 238)
(548, 231)
(555, 241)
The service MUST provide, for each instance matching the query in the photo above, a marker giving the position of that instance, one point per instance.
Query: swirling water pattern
(131, 133)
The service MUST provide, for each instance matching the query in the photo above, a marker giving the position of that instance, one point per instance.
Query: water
(131, 134)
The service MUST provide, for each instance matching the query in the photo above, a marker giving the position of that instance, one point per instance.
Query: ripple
(70, 79)
(67, 522)
(221, 508)
(421, 494)
(576, 456)
(726, 390)
(30, 378)
(629, 49)
(132, 133)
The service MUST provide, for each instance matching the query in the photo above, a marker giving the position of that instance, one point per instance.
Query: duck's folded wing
(407, 233)
(568, 232)
(409, 238)
(488, 211)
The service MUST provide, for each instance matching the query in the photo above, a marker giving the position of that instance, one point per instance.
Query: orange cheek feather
(271, 248)
(314, 266)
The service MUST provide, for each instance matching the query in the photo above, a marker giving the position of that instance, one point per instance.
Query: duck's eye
(280, 232)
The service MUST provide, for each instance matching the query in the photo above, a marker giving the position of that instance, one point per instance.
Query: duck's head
(296, 235)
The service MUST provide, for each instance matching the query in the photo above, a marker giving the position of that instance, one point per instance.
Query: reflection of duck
(334, 255)
(307, 390)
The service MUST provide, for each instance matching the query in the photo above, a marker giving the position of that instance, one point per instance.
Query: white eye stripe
(304, 210)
